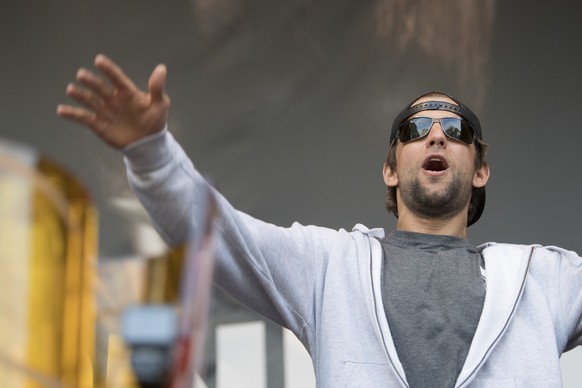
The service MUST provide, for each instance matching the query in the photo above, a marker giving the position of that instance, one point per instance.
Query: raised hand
(113, 107)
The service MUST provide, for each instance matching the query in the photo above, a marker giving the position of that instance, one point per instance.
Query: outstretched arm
(114, 107)
(268, 268)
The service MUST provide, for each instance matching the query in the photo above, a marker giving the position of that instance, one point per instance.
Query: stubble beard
(441, 205)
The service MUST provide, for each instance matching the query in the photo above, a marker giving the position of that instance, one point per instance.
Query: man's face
(435, 174)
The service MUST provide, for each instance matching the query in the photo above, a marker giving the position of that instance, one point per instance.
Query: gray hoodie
(324, 285)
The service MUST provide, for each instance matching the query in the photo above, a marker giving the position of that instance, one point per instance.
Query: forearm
(165, 182)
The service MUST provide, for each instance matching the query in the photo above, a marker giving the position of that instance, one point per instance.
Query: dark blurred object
(151, 331)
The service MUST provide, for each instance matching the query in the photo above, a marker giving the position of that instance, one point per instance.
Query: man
(420, 307)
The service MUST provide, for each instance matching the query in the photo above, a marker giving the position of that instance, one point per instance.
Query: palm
(126, 117)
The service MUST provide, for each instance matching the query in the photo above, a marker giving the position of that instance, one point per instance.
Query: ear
(481, 176)
(390, 176)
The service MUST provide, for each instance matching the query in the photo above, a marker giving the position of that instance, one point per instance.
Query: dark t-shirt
(433, 293)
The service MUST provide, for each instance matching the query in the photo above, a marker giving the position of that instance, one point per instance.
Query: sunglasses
(418, 127)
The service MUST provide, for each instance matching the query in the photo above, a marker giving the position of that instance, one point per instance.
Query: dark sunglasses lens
(414, 129)
(458, 129)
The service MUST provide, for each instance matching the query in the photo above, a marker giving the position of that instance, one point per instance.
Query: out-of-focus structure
(48, 243)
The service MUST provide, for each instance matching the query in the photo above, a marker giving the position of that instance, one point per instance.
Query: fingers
(114, 73)
(156, 83)
(84, 96)
(95, 83)
(80, 115)
(85, 117)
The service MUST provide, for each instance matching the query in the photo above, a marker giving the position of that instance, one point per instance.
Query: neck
(455, 225)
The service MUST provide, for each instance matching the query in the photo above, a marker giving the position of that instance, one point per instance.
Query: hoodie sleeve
(268, 268)
(570, 286)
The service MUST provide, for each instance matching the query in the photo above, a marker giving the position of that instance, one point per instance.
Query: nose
(436, 136)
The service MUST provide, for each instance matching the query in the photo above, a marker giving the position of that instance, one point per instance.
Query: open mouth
(435, 164)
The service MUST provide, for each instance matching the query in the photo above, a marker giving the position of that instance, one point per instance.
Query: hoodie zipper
(506, 322)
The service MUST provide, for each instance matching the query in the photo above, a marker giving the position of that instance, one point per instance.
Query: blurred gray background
(287, 104)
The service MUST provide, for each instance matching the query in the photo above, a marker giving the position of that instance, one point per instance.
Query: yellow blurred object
(48, 247)
(163, 276)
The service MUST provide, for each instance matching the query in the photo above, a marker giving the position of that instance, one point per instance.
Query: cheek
(406, 156)
(465, 158)
(467, 170)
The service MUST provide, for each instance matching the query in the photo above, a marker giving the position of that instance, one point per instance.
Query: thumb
(157, 82)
